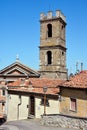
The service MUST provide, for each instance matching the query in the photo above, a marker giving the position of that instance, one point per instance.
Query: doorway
(32, 105)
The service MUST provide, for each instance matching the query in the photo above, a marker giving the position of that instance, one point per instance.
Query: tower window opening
(49, 57)
(62, 27)
(49, 26)
(62, 53)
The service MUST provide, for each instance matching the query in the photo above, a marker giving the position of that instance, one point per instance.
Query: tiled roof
(36, 85)
(77, 81)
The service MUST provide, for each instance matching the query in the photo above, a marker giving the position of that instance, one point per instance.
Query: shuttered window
(73, 104)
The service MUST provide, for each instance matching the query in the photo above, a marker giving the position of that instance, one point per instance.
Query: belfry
(53, 45)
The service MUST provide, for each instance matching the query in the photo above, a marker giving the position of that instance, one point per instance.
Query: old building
(3, 104)
(27, 98)
(53, 45)
(17, 70)
(73, 95)
(8, 75)
(62, 97)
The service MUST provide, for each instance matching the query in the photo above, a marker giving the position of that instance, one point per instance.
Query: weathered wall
(14, 112)
(55, 44)
(53, 107)
(24, 107)
(80, 96)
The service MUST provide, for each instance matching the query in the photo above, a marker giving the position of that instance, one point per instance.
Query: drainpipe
(6, 104)
(19, 106)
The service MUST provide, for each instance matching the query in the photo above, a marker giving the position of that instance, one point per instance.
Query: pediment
(18, 68)
(15, 71)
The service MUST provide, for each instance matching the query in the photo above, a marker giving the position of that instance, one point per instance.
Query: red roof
(36, 85)
(77, 81)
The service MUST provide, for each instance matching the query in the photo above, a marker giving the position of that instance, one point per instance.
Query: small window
(42, 102)
(63, 31)
(73, 104)
(49, 27)
(49, 57)
(3, 104)
(62, 53)
(3, 107)
(3, 92)
(62, 27)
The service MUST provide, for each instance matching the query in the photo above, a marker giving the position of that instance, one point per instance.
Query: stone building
(53, 45)
(73, 95)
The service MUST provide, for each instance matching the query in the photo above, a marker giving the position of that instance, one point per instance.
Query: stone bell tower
(53, 45)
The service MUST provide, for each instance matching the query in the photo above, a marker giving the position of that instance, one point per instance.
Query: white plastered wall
(13, 110)
(53, 107)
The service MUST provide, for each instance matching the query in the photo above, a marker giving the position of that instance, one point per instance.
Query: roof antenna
(81, 66)
(77, 69)
(17, 58)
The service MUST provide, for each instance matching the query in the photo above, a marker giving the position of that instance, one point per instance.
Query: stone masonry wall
(64, 121)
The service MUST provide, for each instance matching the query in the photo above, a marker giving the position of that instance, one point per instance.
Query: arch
(49, 27)
(49, 57)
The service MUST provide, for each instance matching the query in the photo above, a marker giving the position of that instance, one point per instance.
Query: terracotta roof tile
(77, 81)
(36, 85)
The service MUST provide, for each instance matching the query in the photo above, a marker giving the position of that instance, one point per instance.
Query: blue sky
(20, 30)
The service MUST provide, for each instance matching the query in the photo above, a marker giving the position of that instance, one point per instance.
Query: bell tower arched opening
(49, 57)
(49, 27)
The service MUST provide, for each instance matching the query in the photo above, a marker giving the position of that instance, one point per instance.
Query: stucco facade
(80, 95)
(19, 107)
(53, 107)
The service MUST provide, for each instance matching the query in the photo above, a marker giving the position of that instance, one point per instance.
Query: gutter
(19, 106)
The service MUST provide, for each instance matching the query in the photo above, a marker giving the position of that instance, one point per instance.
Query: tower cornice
(54, 47)
(53, 19)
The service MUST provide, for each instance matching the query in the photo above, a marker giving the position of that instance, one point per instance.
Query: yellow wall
(81, 97)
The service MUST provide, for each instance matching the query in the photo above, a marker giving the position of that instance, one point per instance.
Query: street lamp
(44, 90)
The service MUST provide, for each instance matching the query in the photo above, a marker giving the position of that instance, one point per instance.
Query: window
(62, 31)
(62, 53)
(49, 27)
(73, 104)
(3, 106)
(3, 92)
(49, 57)
(42, 102)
